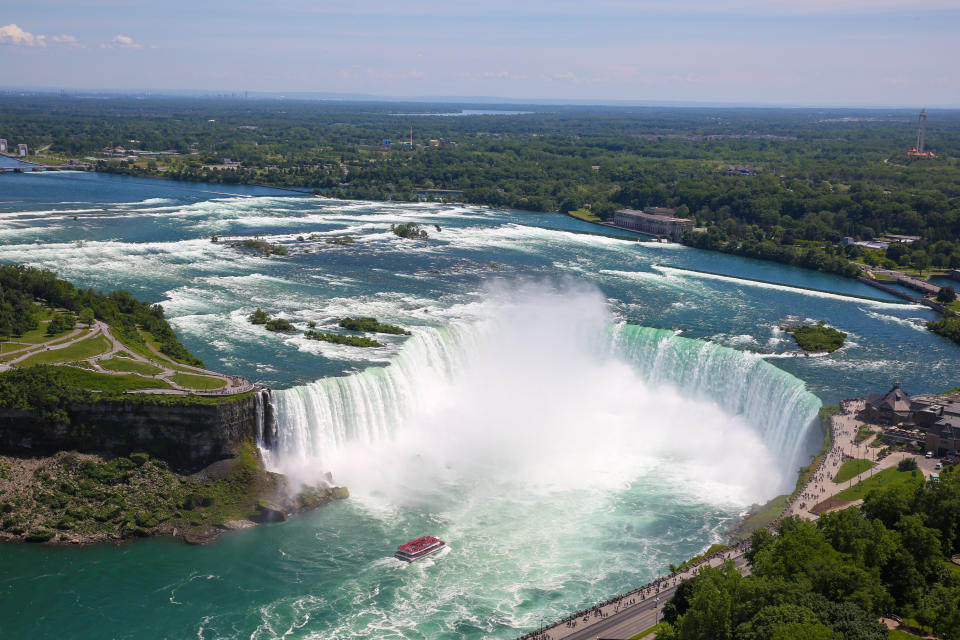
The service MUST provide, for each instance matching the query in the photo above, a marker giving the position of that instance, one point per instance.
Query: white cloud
(12, 34)
(66, 40)
(121, 42)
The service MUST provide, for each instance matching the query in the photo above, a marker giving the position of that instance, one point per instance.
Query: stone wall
(188, 437)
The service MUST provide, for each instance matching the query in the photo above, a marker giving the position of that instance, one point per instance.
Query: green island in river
(818, 338)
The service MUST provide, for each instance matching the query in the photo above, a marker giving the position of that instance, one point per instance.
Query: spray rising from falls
(543, 388)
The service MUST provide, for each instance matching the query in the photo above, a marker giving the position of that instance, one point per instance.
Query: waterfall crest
(315, 420)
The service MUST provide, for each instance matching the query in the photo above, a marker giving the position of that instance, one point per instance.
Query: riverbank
(73, 498)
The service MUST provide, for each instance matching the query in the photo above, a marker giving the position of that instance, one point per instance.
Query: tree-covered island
(817, 338)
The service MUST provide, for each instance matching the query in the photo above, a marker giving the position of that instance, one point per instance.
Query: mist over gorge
(542, 390)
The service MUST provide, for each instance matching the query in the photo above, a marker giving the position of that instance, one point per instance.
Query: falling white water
(544, 390)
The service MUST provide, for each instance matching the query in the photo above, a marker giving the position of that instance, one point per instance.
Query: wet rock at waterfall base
(270, 512)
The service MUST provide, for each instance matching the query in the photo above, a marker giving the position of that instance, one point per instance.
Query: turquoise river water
(571, 414)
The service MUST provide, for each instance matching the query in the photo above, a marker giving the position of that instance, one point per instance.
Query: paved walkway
(821, 486)
(628, 614)
(54, 344)
(30, 349)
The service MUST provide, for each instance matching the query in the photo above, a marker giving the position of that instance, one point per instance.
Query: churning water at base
(552, 449)
(541, 370)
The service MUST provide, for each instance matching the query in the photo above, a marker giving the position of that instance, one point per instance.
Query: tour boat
(419, 548)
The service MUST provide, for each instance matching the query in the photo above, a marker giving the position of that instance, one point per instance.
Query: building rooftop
(895, 399)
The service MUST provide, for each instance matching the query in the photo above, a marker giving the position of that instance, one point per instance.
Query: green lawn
(45, 341)
(586, 215)
(762, 518)
(916, 625)
(852, 468)
(108, 383)
(695, 559)
(896, 634)
(143, 350)
(953, 567)
(139, 349)
(126, 364)
(36, 336)
(647, 632)
(202, 383)
(77, 351)
(886, 478)
(172, 363)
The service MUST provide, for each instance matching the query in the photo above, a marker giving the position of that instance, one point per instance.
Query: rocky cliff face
(187, 436)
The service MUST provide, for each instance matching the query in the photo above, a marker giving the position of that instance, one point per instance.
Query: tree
(679, 603)
(947, 294)
(804, 631)
(920, 260)
(907, 464)
(711, 607)
(61, 322)
(889, 503)
(759, 540)
(897, 252)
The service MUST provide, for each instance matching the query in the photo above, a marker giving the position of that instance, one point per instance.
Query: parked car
(929, 454)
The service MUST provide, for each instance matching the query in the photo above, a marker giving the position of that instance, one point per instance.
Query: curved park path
(168, 368)
(29, 349)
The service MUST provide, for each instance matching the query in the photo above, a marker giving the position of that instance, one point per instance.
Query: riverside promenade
(631, 613)
(628, 614)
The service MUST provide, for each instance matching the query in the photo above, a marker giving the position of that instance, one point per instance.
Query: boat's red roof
(419, 544)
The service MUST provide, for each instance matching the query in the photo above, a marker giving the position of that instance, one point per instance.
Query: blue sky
(839, 52)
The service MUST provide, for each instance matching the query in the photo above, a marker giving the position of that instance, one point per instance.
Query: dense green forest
(833, 579)
(776, 184)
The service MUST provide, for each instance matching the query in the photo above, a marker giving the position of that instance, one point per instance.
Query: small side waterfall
(266, 422)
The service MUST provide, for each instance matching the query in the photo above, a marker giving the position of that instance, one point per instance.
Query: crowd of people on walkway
(814, 489)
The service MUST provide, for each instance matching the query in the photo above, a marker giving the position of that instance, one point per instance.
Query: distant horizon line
(440, 99)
